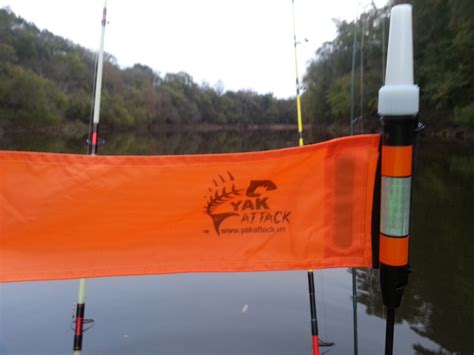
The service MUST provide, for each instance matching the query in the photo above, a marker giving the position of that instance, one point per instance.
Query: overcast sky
(247, 44)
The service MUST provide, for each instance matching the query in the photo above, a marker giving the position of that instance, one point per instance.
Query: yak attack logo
(245, 208)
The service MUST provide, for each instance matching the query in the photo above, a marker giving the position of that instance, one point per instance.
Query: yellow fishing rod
(298, 98)
(312, 294)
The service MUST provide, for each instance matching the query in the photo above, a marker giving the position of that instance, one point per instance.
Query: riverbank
(78, 129)
(445, 134)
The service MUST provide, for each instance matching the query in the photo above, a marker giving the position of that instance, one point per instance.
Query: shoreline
(79, 129)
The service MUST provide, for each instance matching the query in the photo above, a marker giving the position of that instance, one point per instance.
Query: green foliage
(444, 70)
(27, 98)
(115, 112)
(464, 116)
(47, 80)
(53, 84)
(329, 77)
(339, 98)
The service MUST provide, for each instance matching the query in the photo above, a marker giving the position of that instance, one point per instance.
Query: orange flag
(68, 216)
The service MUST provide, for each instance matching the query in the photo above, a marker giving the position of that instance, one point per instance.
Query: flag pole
(93, 143)
(398, 106)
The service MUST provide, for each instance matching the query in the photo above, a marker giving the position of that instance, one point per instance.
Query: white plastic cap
(399, 96)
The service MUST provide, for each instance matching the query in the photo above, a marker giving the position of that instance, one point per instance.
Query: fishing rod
(353, 80)
(312, 293)
(298, 99)
(361, 117)
(398, 106)
(93, 141)
(316, 343)
(353, 270)
(383, 46)
(92, 144)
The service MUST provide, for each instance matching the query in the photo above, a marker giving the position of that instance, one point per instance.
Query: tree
(27, 98)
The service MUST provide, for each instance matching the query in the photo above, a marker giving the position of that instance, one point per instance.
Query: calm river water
(263, 313)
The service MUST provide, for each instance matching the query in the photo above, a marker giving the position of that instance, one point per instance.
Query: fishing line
(327, 351)
(324, 305)
(323, 343)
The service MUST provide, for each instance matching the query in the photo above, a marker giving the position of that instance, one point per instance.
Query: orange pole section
(397, 160)
(393, 251)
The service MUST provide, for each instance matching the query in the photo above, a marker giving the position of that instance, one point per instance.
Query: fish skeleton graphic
(224, 191)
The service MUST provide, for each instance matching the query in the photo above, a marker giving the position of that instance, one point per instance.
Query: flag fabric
(65, 216)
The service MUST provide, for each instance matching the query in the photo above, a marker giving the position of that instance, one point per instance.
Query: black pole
(389, 331)
(314, 318)
(354, 309)
(79, 327)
